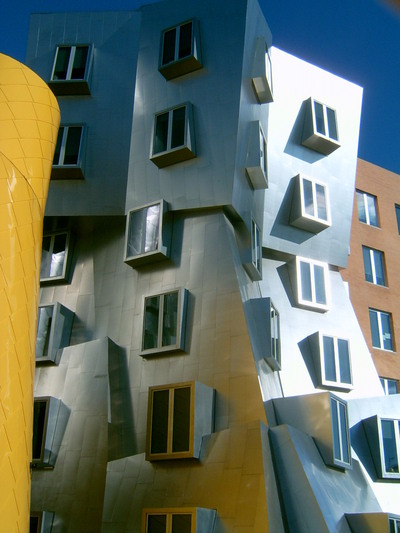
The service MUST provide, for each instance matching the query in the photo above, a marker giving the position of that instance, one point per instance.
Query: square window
(320, 131)
(164, 322)
(340, 432)
(178, 418)
(262, 72)
(148, 234)
(310, 283)
(53, 332)
(55, 255)
(67, 162)
(332, 361)
(256, 162)
(381, 329)
(71, 68)
(367, 208)
(173, 136)
(310, 204)
(180, 50)
(390, 386)
(374, 266)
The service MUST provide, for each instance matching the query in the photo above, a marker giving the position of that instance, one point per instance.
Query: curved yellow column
(29, 120)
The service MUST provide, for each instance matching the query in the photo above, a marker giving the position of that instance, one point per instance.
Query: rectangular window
(389, 386)
(381, 329)
(180, 50)
(394, 525)
(320, 131)
(53, 332)
(70, 72)
(178, 520)
(262, 72)
(275, 337)
(67, 162)
(374, 266)
(54, 262)
(312, 288)
(256, 246)
(390, 447)
(310, 205)
(41, 522)
(256, 157)
(164, 322)
(367, 208)
(40, 415)
(173, 136)
(397, 209)
(340, 432)
(336, 362)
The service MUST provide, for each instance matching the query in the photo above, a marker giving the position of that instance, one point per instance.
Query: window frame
(394, 524)
(299, 216)
(397, 213)
(343, 435)
(257, 157)
(338, 384)
(385, 385)
(47, 280)
(58, 333)
(321, 142)
(274, 360)
(312, 304)
(381, 334)
(69, 85)
(396, 426)
(362, 196)
(256, 246)
(61, 170)
(373, 256)
(262, 74)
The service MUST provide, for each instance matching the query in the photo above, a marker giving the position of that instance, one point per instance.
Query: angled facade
(199, 366)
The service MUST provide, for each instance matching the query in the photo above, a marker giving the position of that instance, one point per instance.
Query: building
(199, 364)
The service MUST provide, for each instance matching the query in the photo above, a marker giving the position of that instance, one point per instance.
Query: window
(173, 136)
(310, 206)
(262, 72)
(178, 418)
(389, 385)
(275, 358)
(70, 74)
(397, 209)
(67, 162)
(256, 162)
(41, 522)
(374, 266)
(390, 447)
(381, 329)
(311, 288)
(55, 248)
(320, 131)
(180, 50)
(367, 209)
(340, 432)
(253, 263)
(182, 520)
(332, 361)
(53, 332)
(266, 325)
(164, 322)
(394, 525)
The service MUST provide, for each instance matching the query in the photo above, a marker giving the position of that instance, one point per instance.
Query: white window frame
(338, 383)
(71, 62)
(326, 141)
(325, 120)
(314, 216)
(275, 337)
(374, 256)
(256, 246)
(394, 524)
(385, 385)
(363, 196)
(63, 275)
(312, 303)
(396, 424)
(379, 315)
(343, 433)
(64, 128)
(299, 216)
(262, 72)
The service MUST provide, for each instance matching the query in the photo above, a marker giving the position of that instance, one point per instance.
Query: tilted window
(310, 283)
(390, 386)
(320, 130)
(71, 69)
(53, 332)
(180, 50)
(367, 208)
(68, 160)
(253, 262)
(256, 161)
(262, 72)
(381, 329)
(181, 520)
(374, 266)
(397, 211)
(173, 136)
(340, 432)
(41, 522)
(55, 255)
(310, 204)
(383, 436)
(332, 361)
(164, 322)
(178, 418)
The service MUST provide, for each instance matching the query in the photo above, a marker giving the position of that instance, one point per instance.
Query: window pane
(373, 319)
(386, 331)
(319, 118)
(185, 40)
(305, 276)
(361, 207)
(152, 228)
(275, 334)
(263, 153)
(308, 197)
(72, 145)
(152, 306)
(34, 524)
(46, 257)
(344, 361)
(389, 447)
(58, 255)
(79, 66)
(397, 209)
(56, 160)
(156, 523)
(332, 129)
(170, 319)
(181, 523)
(181, 425)
(169, 46)
(321, 202)
(371, 205)
(392, 386)
(39, 420)
(343, 433)
(178, 127)
(161, 133)
(320, 295)
(61, 67)
(329, 359)
(136, 232)
(335, 430)
(43, 330)
(379, 269)
(159, 421)
(367, 264)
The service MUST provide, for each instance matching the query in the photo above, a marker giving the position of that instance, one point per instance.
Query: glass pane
(386, 331)
(161, 133)
(56, 160)
(321, 202)
(379, 269)
(152, 228)
(185, 40)
(43, 330)
(308, 197)
(58, 255)
(79, 66)
(305, 276)
(392, 526)
(46, 258)
(319, 118)
(361, 207)
(34, 524)
(136, 233)
(170, 319)
(373, 319)
(319, 277)
(332, 128)
(256, 246)
(392, 386)
(181, 425)
(329, 359)
(367, 264)
(159, 421)
(72, 145)
(169, 46)
(343, 433)
(344, 361)
(263, 153)
(156, 523)
(397, 208)
(39, 420)
(335, 429)
(391, 462)
(178, 127)
(371, 203)
(181, 523)
(275, 334)
(61, 66)
(151, 316)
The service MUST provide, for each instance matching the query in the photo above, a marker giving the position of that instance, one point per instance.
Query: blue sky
(356, 39)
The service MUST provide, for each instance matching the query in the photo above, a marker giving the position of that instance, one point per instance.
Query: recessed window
(41, 522)
(180, 50)
(311, 284)
(182, 520)
(381, 329)
(254, 268)
(274, 360)
(70, 74)
(367, 208)
(310, 205)
(67, 162)
(55, 248)
(256, 162)
(164, 322)
(178, 418)
(262, 72)
(374, 266)
(394, 525)
(340, 432)
(148, 234)
(397, 210)
(53, 332)
(173, 136)
(390, 386)
(320, 130)
(390, 447)
(332, 361)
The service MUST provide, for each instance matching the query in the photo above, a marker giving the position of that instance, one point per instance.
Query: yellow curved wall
(29, 120)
